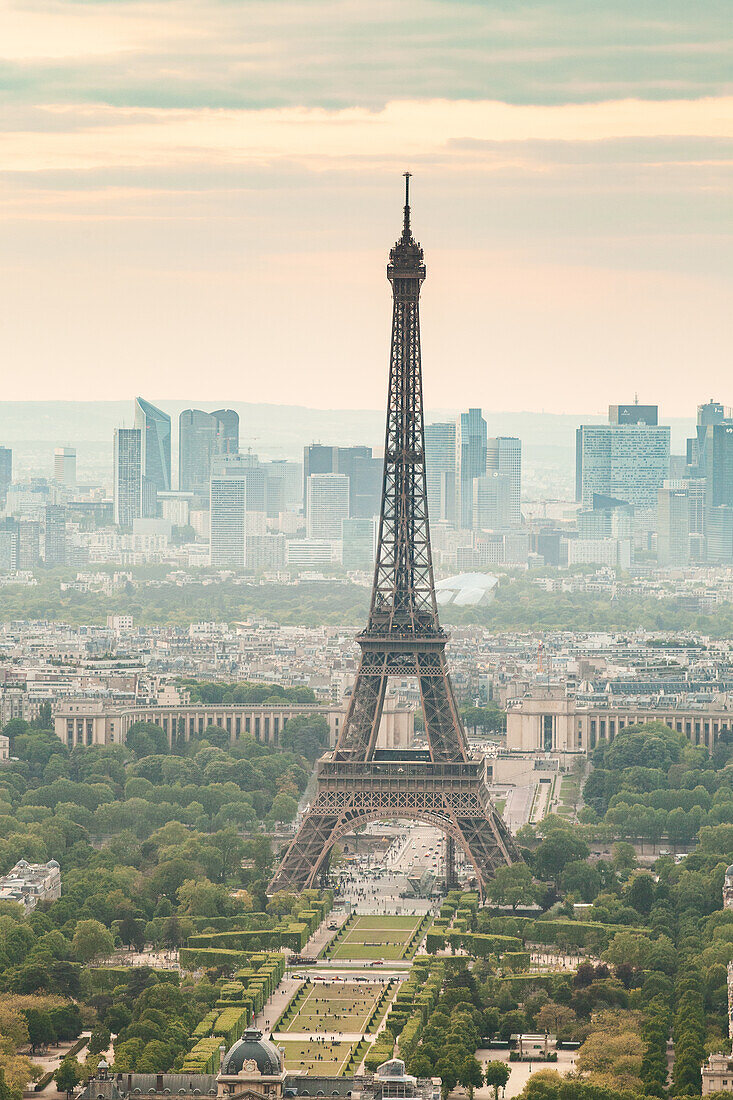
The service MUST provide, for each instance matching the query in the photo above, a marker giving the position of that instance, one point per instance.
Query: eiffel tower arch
(357, 783)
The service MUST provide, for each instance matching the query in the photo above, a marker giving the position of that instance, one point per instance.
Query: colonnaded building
(87, 722)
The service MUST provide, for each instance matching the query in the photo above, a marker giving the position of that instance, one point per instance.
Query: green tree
(624, 857)
(448, 1072)
(284, 808)
(99, 1039)
(6, 1091)
(581, 879)
(146, 739)
(470, 1075)
(68, 1075)
(556, 851)
(306, 735)
(91, 938)
(40, 1029)
(496, 1075)
(512, 886)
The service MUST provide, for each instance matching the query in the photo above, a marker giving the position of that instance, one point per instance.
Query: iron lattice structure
(403, 637)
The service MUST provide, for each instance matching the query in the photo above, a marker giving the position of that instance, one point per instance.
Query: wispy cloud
(214, 182)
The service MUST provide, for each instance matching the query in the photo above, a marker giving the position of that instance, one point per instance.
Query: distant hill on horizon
(34, 428)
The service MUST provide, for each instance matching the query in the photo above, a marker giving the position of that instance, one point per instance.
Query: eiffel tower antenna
(446, 787)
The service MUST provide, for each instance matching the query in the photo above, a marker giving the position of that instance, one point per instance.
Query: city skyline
(570, 179)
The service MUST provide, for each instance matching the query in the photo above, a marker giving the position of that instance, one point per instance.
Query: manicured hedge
(204, 1057)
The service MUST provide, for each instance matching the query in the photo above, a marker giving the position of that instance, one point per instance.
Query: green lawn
(324, 1058)
(336, 1007)
(386, 937)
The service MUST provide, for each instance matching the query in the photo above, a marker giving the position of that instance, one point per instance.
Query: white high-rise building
(127, 476)
(440, 471)
(64, 467)
(228, 522)
(327, 504)
(504, 456)
(627, 459)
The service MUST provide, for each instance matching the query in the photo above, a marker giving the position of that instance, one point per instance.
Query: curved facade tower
(403, 637)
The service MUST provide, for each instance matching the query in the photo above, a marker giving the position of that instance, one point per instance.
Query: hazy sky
(198, 198)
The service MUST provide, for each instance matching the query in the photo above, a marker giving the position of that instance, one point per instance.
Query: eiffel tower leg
(361, 726)
(442, 722)
(301, 864)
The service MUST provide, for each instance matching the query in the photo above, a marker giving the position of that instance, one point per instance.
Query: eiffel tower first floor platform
(398, 785)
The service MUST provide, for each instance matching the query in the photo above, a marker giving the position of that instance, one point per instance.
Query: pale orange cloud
(117, 137)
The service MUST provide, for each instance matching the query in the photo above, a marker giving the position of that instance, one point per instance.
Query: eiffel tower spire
(403, 637)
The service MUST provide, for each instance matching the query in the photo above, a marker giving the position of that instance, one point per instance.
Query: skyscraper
(197, 443)
(201, 435)
(673, 526)
(492, 501)
(328, 505)
(440, 471)
(55, 535)
(64, 467)
(237, 500)
(228, 520)
(29, 539)
(358, 543)
(504, 456)
(628, 461)
(6, 472)
(317, 459)
(357, 464)
(716, 454)
(365, 486)
(283, 486)
(127, 475)
(471, 460)
(155, 432)
(227, 431)
(634, 414)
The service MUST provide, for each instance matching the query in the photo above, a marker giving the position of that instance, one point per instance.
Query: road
(518, 806)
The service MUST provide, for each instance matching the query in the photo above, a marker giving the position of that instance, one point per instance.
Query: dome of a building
(252, 1053)
(729, 872)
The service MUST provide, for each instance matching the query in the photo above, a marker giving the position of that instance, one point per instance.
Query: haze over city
(201, 194)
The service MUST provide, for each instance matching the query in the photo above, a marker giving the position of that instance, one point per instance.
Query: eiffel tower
(357, 783)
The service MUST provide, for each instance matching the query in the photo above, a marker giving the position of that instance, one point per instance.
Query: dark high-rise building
(227, 431)
(365, 487)
(709, 414)
(55, 535)
(6, 472)
(127, 475)
(317, 459)
(29, 539)
(155, 432)
(358, 464)
(471, 460)
(8, 545)
(201, 435)
(634, 414)
(197, 433)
